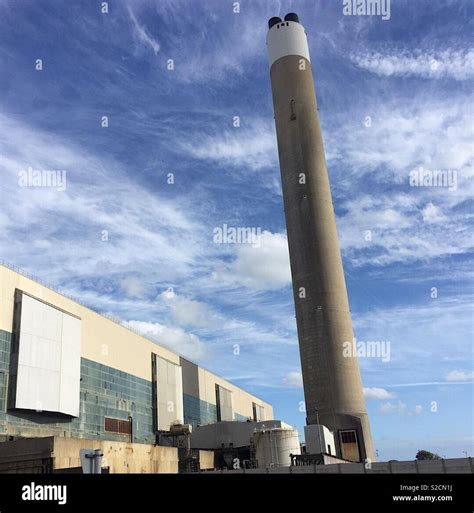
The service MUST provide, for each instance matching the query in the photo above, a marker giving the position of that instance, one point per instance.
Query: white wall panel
(49, 359)
(37, 389)
(169, 393)
(226, 404)
(259, 412)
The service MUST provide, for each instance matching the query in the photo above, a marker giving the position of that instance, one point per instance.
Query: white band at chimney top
(287, 38)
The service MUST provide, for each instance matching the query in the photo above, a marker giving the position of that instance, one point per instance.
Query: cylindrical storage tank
(274, 446)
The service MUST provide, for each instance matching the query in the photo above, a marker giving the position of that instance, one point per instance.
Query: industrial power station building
(66, 371)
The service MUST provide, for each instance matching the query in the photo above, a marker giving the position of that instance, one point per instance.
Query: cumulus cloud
(432, 214)
(265, 266)
(377, 393)
(459, 375)
(388, 407)
(133, 287)
(293, 379)
(176, 339)
(400, 408)
(455, 64)
(189, 312)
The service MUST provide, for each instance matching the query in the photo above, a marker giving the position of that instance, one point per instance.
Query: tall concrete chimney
(332, 384)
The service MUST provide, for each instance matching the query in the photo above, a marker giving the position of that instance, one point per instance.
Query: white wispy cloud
(142, 33)
(402, 136)
(211, 55)
(399, 138)
(450, 63)
(105, 219)
(384, 228)
(251, 147)
(174, 338)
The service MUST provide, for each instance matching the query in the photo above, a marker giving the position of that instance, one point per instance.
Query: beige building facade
(67, 371)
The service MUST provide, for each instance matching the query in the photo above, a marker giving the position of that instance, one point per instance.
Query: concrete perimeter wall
(122, 458)
(448, 466)
(50, 454)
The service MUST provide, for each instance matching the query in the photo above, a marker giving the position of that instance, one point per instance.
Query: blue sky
(393, 95)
